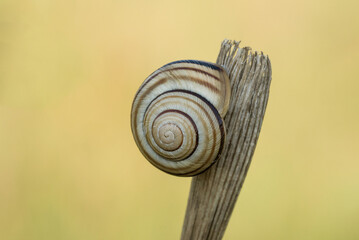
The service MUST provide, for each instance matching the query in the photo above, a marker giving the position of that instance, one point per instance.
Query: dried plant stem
(213, 194)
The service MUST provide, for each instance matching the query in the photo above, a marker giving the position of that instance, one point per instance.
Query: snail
(177, 116)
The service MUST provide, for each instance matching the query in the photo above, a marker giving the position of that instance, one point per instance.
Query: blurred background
(69, 167)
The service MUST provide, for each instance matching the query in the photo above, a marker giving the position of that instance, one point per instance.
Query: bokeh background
(69, 69)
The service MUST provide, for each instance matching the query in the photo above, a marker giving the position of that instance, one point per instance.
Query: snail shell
(177, 113)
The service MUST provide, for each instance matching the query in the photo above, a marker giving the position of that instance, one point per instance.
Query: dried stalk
(213, 194)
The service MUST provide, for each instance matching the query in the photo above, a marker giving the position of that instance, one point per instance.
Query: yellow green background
(69, 168)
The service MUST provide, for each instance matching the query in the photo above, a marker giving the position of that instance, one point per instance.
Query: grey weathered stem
(213, 194)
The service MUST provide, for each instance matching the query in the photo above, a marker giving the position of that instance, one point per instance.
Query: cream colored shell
(176, 116)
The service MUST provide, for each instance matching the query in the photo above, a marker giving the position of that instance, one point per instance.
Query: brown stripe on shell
(178, 68)
(163, 80)
(185, 78)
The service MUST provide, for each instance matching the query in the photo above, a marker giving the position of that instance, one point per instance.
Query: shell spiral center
(168, 136)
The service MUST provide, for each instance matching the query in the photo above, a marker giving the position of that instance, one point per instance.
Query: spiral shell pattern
(176, 116)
